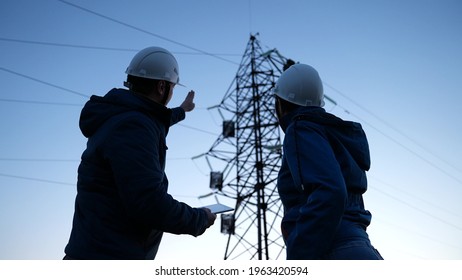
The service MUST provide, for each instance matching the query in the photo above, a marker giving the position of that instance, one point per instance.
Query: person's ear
(161, 87)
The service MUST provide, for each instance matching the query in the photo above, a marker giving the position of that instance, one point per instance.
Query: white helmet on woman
(154, 63)
(300, 84)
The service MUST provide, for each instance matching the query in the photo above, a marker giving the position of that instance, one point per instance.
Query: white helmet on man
(154, 63)
(300, 84)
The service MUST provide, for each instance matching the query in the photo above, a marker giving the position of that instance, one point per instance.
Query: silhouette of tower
(245, 159)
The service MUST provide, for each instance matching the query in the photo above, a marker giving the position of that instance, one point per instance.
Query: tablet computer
(219, 208)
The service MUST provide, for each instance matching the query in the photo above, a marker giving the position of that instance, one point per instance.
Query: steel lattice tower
(249, 150)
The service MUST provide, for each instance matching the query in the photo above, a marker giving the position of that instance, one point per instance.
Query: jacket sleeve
(178, 114)
(132, 151)
(315, 169)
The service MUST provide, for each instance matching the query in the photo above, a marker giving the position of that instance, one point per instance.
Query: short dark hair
(141, 85)
(287, 106)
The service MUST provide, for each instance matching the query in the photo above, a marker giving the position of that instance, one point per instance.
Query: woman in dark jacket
(322, 177)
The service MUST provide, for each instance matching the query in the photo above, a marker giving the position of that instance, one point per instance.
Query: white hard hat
(300, 84)
(154, 63)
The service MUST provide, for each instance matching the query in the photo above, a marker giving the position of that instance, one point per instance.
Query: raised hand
(188, 103)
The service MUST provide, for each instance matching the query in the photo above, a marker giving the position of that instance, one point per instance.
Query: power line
(38, 102)
(38, 160)
(418, 209)
(97, 47)
(67, 184)
(413, 195)
(409, 150)
(393, 128)
(67, 104)
(422, 211)
(66, 45)
(43, 82)
(68, 160)
(145, 31)
(36, 179)
(393, 139)
(414, 233)
(198, 129)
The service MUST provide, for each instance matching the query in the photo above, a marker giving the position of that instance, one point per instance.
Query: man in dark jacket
(122, 206)
(322, 177)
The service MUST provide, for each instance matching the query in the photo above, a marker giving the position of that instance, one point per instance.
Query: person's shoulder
(135, 120)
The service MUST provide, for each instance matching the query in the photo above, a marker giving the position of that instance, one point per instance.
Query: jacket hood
(117, 101)
(348, 134)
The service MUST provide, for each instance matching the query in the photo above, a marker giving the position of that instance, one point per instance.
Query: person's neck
(150, 97)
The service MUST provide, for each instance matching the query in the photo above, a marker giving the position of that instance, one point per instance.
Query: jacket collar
(287, 119)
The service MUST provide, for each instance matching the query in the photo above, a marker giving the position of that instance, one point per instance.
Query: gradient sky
(394, 66)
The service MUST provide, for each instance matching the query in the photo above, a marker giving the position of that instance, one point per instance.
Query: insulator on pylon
(227, 223)
(228, 129)
(216, 180)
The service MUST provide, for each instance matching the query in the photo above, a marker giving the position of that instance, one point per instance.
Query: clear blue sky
(394, 66)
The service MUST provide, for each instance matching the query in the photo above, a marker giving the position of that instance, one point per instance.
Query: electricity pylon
(249, 152)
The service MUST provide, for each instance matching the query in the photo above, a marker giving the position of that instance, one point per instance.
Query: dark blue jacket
(321, 182)
(122, 205)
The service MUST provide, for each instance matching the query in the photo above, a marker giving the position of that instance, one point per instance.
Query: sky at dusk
(393, 66)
